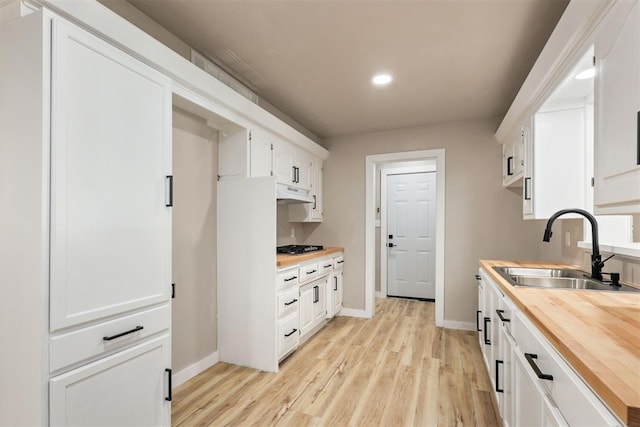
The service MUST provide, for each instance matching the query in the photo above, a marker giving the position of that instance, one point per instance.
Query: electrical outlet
(567, 238)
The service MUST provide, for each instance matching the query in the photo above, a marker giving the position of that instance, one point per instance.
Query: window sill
(631, 250)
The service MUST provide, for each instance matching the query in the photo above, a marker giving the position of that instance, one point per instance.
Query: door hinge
(271, 147)
(249, 136)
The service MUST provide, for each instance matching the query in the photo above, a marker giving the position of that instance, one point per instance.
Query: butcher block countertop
(598, 333)
(282, 260)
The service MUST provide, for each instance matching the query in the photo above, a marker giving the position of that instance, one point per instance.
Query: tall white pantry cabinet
(85, 220)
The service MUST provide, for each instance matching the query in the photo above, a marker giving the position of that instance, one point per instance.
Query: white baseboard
(192, 370)
(352, 312)
(379, 295)
(454, 324)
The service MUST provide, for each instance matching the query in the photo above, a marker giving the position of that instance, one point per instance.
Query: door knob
(391, 245)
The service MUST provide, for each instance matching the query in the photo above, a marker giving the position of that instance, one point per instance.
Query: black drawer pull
(502, 318)
(478, 277)
(291, 333)
(291, 278)
(170, 394)
(290, 302)
(498, 389)
(478, 321)
(113, 337)
(340, 262)
(311, 272)
(487, 339)
(328, 265)
(534, 366)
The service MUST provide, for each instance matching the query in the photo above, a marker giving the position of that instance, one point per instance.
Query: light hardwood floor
(396, 369)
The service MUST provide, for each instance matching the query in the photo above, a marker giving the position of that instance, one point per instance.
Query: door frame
(396, 169)
(373, 164)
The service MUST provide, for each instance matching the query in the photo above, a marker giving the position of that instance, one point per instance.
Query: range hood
(286, 194)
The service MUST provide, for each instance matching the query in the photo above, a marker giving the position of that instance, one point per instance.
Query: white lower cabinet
(288, 334)
(122, 389)
(313, 305)
(533, 383)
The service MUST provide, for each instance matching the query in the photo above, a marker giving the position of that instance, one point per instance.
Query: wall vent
(208, 66)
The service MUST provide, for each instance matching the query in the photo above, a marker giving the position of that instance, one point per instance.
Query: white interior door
(411, 226)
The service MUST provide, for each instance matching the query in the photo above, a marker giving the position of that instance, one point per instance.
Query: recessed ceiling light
(381, 79)
(586, 74)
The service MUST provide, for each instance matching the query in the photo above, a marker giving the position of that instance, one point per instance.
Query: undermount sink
(557, 278)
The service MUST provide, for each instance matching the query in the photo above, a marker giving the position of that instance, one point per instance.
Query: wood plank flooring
(396, 369)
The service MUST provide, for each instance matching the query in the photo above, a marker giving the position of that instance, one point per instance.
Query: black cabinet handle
(291, 278)
(502, 318)
(478, 320)
(498, 389)
(291, 333)
(340, 262)
(291, 302)
(509, 161)
(478, 277)
(328, 265)
(173, 290)
(311, 272)
(534, 366)
(170, 394)
(170, 202)
(487, 340)
(527, 196)
(335, 286)
(315, 202)
(113, 337)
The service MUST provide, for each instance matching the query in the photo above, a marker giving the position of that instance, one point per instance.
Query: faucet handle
(608, 258)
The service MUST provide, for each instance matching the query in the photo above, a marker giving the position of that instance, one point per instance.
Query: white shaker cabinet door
(110, 158)
(617, 112)
(129, 388)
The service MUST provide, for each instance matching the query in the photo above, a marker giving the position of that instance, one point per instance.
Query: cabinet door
(283, 161)
(528, 397)
(339, 291)
(126, 388)
(316, 190)
(507, 163)
(303, 163)
(505, 377)
(110, 155)
(617, 112)
(320, 304)
(261, 159)
(307, 297)
(527, 184)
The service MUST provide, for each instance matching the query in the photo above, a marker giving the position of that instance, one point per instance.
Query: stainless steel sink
(556, 278)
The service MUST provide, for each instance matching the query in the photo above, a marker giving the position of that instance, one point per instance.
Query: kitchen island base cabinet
(127, 388)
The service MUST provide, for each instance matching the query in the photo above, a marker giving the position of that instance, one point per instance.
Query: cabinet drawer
(308, 272)
(338, 262)
(71, 347)
(325, 266)
(287, 277)
(288, 334)
(288, 301)
(577, 403)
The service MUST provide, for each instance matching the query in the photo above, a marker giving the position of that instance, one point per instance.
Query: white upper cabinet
(245, 152)
(292, 166)
(310, 212)
(617, 111)
(513, 160)
(110, 195)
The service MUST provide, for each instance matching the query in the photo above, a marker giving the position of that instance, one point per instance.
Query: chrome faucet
(596, 259)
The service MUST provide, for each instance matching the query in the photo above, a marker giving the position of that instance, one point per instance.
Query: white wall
(195, 165)
(483, 219)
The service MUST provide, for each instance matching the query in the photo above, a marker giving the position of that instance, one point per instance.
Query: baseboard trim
(454, 324)
(192, 370)
(352, 312)
(379, 295)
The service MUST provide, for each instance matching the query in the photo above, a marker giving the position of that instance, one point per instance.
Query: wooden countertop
(282, 260)
(598, 333)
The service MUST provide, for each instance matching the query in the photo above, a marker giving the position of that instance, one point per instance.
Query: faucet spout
(596, 259)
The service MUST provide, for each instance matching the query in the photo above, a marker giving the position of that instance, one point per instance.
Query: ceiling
(451, 59)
